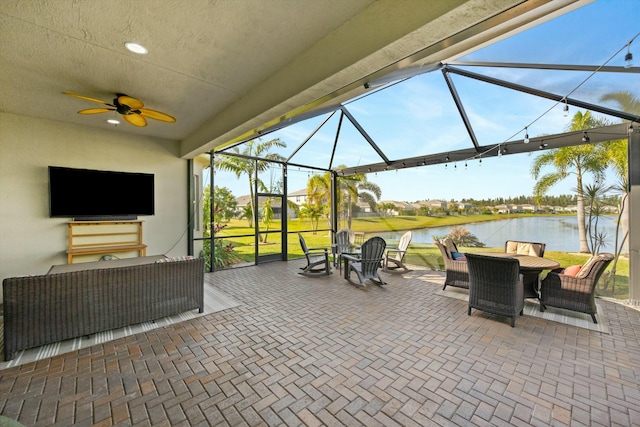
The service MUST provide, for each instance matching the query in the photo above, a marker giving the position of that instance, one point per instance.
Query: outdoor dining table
(530, 268)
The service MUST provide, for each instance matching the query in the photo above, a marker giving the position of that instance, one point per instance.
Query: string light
(585, 137)
(526, 135)
(566, 108)
(628, 58)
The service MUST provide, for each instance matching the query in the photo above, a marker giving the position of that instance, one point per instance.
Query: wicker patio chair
(576, 293)
(317, 260)
(393, 258)
(524, 248)
(366, 265)
(457, 273)
(495, 286)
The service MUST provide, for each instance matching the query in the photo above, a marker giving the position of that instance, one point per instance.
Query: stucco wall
(30, 241)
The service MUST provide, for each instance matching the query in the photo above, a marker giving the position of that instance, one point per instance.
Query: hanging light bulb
(628, 58)
(526, 135)
(585, 137)
(499, 151)
(480, 162)
(565, 112)
(631, 127)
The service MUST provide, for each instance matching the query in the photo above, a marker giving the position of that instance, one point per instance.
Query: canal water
(560, 233)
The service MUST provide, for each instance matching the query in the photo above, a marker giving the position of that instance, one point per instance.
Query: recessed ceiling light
(113, 121)
(136, 48)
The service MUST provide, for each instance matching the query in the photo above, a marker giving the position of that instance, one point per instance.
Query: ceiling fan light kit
(131, 109)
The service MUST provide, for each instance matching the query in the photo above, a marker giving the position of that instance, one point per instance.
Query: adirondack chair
(342, 245)
(317, 260)
(393, 258)
(366, 265)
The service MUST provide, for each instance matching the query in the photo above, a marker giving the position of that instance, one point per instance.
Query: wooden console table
(104, 237)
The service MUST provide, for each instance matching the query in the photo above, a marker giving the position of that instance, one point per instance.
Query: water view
(559, 233)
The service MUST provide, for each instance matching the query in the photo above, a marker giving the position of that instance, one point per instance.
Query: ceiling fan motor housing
(123, 109)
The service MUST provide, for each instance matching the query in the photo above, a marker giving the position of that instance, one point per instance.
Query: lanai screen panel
(412, 117)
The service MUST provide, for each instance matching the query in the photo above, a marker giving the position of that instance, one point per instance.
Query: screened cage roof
(484, 103)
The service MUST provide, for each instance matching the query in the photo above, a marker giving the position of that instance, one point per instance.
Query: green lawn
(419, 253)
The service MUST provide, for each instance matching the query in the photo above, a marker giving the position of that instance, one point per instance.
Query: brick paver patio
(304, 351)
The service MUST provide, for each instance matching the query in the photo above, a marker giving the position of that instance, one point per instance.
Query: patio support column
(634, 217)
(191, 205)
(334, 202)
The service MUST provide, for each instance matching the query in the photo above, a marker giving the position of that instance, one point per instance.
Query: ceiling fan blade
(157, 115)
(96, 110)
(133, 103)
(135, 119)
(87, 98)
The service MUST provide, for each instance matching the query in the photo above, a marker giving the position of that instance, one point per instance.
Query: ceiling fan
(130, 108)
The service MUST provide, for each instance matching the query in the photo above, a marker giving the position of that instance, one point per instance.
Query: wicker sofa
(88, 298)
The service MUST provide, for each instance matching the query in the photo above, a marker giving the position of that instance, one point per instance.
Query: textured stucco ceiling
(224, 68)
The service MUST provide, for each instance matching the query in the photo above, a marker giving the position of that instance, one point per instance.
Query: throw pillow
(571, 270)
(586, 269)
(535, 249)
(457, 256)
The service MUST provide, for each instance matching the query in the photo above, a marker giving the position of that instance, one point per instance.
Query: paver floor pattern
(302, 351)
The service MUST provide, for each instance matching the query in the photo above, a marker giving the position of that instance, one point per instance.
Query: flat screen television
(85, 194)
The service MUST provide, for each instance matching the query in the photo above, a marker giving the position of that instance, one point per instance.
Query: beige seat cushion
(520, 248)
(450, 246)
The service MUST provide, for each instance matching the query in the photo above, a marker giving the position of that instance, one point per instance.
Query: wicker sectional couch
(84, 299)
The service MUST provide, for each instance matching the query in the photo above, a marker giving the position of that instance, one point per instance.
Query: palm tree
(319, 196)
(356, 187)
(350, 190)
(628, 102)
(576, 160)
(246, 166)
(618, 158)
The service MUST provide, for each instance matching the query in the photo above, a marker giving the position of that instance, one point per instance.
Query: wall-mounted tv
(85, 194)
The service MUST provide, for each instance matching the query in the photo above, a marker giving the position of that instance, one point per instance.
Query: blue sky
(417, 116)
